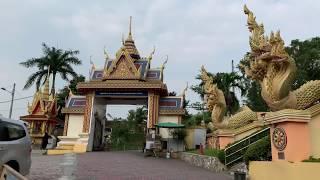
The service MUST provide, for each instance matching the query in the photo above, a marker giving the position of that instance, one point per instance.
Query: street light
(12, 97)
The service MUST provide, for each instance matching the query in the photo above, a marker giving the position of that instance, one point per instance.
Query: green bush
(259, 151)
(212, 152)
(178, 133)
(216, 153)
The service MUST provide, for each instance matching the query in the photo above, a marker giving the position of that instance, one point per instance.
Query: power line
(5, 110)
(16, 99)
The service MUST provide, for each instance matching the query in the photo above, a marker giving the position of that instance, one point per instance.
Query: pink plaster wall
(298, 141)
(224, 141)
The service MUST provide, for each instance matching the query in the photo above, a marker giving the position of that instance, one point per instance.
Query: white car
(15, 145)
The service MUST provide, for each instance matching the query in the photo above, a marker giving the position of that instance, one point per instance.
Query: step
(65, 147)
(80, 148)
(58, 151)
(68, 138)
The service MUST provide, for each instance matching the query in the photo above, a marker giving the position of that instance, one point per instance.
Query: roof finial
(106, 56)
(163, 66)
(185, 90)
(151, 54)
(93, 67)
(122, 40)
(130, 25)
(130, 34)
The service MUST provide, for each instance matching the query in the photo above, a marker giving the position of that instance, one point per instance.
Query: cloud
(191, 33)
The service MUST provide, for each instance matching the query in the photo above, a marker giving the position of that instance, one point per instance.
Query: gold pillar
(31, 127)
(153, 109)
(87, 113)
(66, 123)
(43, 127)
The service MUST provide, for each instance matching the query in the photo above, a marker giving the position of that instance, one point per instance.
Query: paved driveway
(116, 166)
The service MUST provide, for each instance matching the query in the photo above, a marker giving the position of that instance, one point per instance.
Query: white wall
(200, 136)
(164, 132)
(75, 125)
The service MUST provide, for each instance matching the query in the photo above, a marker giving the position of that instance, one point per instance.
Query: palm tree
(58, 60)
(225, 82)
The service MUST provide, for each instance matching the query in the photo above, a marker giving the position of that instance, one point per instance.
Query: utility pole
(12, 97)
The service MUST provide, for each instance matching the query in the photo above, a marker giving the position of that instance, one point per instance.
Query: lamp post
(12, 97)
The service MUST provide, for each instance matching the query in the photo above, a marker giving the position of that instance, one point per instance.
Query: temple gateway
(126, 79)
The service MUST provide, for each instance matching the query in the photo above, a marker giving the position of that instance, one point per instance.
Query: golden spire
(129, 44)
(45, 93)
(130, 35)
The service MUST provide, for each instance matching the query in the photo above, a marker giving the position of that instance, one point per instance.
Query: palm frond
(31, 62)
(32, 79)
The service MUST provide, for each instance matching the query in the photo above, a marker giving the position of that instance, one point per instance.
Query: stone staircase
(69, 144)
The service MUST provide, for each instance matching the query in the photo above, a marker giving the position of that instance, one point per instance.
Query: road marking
(68, 166)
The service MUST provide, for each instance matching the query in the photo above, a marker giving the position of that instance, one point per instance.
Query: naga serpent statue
(216, 104)
(275, 70)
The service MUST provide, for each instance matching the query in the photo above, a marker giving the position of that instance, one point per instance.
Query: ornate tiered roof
(75, 104)
(44, 105)
(127, 70)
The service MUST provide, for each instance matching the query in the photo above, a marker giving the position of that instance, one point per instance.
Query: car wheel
(14, 165)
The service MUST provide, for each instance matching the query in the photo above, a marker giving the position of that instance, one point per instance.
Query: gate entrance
(103, 123)
(126, 79)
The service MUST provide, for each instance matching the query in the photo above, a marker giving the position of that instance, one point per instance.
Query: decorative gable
(37, 109)
(122, 67)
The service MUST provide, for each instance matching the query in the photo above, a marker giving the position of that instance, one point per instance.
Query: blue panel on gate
(121, 94)
(97, 74)
(170, 103)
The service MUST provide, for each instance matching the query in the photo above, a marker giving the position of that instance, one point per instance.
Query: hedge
(259, 151)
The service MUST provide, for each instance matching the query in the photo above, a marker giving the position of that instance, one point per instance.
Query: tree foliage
(253, 97)
(137, 118)
(195, 119)
(307, 57)
(64, 93)
(178, 133)
(259, 151)
(226, 82)
(60, 62)
(172, 93)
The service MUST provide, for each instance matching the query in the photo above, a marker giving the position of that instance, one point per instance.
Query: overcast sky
(191, 33)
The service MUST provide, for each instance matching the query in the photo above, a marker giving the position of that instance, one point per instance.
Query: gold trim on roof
(122, 68)
(172, 112)
(73, 110)
(109, 84)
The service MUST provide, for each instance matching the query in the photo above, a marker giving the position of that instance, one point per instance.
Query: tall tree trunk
(53, 91)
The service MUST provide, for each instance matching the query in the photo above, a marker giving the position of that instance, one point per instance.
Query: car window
(11, 132)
